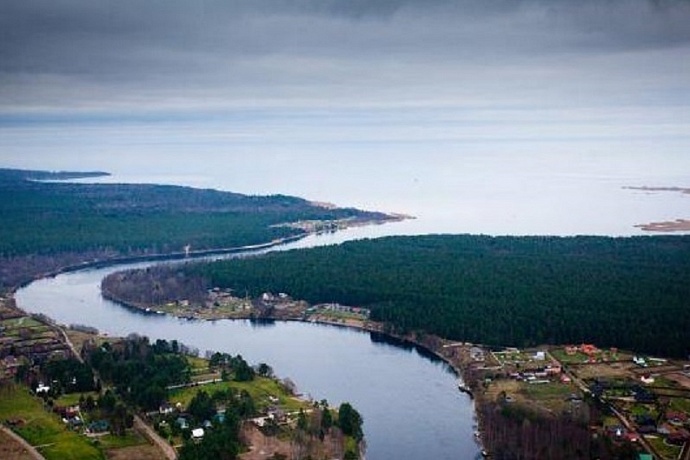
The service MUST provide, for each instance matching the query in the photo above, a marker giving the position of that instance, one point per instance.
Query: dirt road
(20, 448)
(159, 442)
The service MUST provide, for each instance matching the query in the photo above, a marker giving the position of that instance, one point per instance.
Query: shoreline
(159, 257)
(192, 254)
(458, 366)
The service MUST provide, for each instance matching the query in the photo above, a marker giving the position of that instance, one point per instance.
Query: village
(646, 399)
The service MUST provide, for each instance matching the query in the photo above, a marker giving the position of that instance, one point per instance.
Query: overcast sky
(83, 78)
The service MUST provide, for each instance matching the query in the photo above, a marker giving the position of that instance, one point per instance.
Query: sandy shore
(678, 225)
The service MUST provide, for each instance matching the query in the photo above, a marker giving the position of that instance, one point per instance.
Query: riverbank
(457, 356)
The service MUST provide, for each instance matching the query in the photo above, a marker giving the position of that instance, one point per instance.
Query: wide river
(410, 403)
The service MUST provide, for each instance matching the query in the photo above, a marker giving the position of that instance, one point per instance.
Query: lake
(410, 403)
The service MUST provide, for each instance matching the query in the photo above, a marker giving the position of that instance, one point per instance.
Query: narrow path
(28, 447)
(159, 442)
(69, 343)
(685, 453)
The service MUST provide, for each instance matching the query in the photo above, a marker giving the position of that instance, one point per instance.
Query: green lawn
(665, 450)
(259, 389)
(343, 315)
(42, 428)
(73, 398)
(681, 404)
(24, 321)
(548, 391)
(563, 357)
(197, 363)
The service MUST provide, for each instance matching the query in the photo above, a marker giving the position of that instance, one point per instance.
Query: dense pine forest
(631, 292)
(49, 224)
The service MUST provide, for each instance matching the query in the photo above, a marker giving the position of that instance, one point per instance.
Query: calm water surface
(410, 403)
(488, 190)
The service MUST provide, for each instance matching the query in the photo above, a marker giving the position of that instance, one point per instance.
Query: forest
(49, 224)
(632, 293)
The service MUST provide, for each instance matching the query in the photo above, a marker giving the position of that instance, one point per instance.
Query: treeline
(139, 371)
(632, 293)
(63, 220)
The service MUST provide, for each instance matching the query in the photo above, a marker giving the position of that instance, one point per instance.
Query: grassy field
(562, 356)
(72, 399)
(259, 389)
(43, 429)
(119, 442)
(550, 396)
(681, 404)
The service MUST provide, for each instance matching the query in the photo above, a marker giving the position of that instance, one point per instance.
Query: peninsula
(50, 225)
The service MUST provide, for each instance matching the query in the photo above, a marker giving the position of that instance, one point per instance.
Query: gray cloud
(131, 57)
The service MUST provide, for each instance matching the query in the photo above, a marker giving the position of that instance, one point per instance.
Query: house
(676, 418)
(477, 354)
(182, 423)
(678, 437)
(589, 349)
(198, 434)
(99, 426)
(664, 429)
(640, 361)
(616, 430)
(647, 379)
(540, 356)
(632, 437)
(553, 369)
(166, 409)
(41, 388)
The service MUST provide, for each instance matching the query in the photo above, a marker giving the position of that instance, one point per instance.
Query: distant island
(678, 225)
(660, 189)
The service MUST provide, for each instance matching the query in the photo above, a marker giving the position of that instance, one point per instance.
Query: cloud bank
(67, 57)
